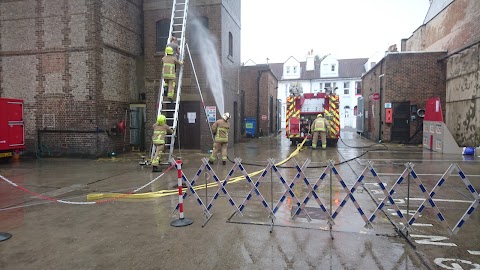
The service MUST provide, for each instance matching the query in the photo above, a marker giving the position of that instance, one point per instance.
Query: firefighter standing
(220, 130)
(320, 125)
(168, 71)
(160, 130)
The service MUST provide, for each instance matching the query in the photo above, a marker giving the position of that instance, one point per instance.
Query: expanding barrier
(350, 192)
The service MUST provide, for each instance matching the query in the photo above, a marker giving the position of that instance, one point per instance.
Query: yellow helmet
(169, 50)
(319, 115)
(161, 119)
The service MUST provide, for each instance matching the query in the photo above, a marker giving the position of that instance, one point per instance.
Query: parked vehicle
(302, 109)
(12, 132)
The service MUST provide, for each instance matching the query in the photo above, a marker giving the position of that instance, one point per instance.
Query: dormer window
(288, 70)
(333, 67)
(294, 70)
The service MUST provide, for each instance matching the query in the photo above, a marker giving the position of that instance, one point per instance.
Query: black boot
(210, 162)
(156, 169)
(224, 162)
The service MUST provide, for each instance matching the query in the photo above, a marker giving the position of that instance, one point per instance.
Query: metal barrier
(331, 170)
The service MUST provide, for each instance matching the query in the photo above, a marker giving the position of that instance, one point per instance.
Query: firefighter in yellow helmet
(160, 130)
(320, 125)
(220, 130)
(170, 62)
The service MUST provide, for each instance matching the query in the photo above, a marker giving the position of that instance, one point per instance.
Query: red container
(12, 135)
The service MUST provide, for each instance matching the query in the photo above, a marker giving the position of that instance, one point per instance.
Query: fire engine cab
(302, 109)
(12, 137)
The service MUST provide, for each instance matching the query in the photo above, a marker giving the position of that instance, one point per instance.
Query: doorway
(137, 126)
(401, 121)
(189, 125)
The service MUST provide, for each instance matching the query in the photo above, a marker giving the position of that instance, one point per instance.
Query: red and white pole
(180, 190)
(182, 221)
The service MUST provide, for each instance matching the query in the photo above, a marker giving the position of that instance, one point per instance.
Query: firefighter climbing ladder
(170, 109)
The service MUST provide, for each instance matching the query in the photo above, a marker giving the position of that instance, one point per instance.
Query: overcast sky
(278, 29)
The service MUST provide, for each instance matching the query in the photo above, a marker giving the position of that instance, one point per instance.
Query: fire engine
(11, 127)
(302, 109)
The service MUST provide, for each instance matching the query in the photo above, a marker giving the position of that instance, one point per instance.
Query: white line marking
(474, 252)
(420, 224)
(440, 200)
(426, 174)
(432, 240)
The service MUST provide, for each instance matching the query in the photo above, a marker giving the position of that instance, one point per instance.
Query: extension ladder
(168, 108)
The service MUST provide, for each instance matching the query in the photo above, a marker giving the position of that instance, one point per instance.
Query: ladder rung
(178, 17)
(168, 110)
(175, 24)
(177, 31)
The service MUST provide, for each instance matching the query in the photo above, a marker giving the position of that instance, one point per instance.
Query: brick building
(222, 18)
(405, 80)
(74, 65)
(259, 86)
(80, 66)
(454, 26)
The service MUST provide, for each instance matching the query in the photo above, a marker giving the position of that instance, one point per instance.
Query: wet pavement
(135, 233)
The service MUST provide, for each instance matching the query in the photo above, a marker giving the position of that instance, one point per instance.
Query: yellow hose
(169, 192)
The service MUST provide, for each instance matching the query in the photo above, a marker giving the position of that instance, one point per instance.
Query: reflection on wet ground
(135, 233)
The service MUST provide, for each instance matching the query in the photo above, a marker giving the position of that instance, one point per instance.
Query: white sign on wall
(211, 113)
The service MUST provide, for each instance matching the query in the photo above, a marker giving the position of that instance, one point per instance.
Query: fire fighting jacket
(159, 133)
(220, 130)
(169, 63)
(320, 124)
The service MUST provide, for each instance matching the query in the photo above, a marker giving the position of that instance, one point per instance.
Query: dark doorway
(189, 125)
(242, 113)
(401, 121)
(271, 115)
(235, 121)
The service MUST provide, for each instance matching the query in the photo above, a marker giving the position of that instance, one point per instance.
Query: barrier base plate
(181, 222)
(5, 236)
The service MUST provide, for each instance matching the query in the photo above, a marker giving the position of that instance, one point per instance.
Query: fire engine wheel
(294, 142)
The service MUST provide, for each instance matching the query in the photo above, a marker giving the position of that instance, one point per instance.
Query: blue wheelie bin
(250, 127)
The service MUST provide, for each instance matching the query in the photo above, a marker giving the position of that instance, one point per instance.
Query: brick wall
(222, 19)
(456, 29)
(412, 77)
(260, 77)
(73, 63)
(456, 26)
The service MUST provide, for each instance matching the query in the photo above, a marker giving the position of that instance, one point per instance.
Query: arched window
(230, 44)
(162, 28)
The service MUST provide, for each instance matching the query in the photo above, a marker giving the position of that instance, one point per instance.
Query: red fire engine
(12, 137)
(303, 109)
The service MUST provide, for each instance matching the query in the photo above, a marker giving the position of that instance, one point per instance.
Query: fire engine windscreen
(313, 105)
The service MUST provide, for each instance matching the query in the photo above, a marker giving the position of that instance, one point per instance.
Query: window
(358, 88)
(321, 88)
(333, 67)
(162, 28)
(230, 44)
(328, 85)
(294, 70)
(288, 70)
(346, 88)
(355, 111)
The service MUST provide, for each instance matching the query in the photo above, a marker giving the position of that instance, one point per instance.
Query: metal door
(189, 125)
(401, 121)
(137, 125)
